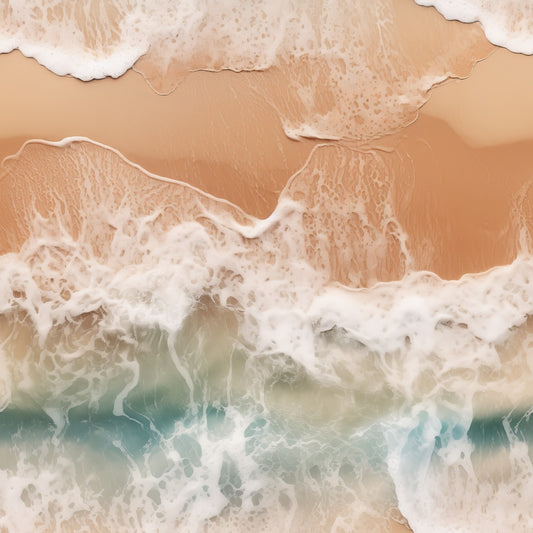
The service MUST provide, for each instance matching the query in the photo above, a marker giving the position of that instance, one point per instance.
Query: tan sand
(459, 178)
(491, 107)
(461, 206)
(456, 203)
(212, 131)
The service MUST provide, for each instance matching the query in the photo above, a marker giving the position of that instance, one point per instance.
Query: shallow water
(284, 299)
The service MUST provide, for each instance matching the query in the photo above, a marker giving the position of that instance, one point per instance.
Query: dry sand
(491, 107)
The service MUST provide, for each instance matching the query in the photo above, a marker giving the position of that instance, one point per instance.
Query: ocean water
(169, 362)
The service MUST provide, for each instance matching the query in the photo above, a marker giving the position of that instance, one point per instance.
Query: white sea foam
(101, 319)
(508, 24)
(353, 53)
(165, 363)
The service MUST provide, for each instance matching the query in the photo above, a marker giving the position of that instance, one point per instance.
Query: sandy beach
(261, 205)
(458, 214)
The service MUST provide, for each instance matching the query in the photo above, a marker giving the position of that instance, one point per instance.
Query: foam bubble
(167, 359)
(508, 24)
(343, 71)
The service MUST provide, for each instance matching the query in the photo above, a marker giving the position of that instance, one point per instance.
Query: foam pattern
(508, 24)
(168, 362)
(344, 65)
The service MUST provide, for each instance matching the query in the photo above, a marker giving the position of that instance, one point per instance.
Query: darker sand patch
(463, 207)
(213, 132)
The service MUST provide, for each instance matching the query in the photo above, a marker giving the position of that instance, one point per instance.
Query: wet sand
(459, 177)
(212, 132)
(220, 132)
(461, 203)
(463, 206)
